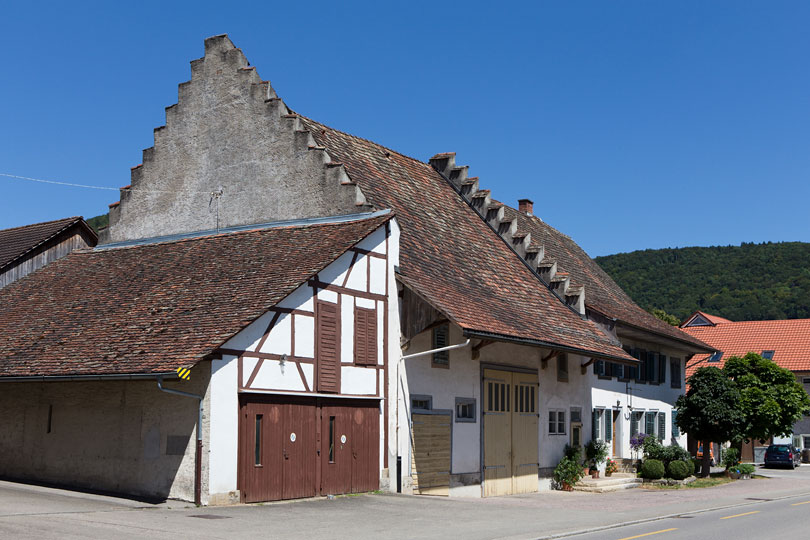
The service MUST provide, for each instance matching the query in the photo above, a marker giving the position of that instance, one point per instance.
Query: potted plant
(610, 467)
(567, 473)
(596, 452)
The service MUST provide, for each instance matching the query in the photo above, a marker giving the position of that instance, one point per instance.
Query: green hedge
(652, 469)
(678, 470)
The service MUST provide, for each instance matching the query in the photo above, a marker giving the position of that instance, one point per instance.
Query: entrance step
(616, 482)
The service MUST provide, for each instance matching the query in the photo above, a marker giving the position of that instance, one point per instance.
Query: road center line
(649, 534)
(738, 515)
(797, 504)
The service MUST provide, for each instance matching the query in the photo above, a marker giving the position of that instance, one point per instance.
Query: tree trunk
(706, 464)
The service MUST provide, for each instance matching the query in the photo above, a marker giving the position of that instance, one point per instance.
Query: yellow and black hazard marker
(184, 373)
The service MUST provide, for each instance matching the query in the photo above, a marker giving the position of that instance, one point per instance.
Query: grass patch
(716, 479)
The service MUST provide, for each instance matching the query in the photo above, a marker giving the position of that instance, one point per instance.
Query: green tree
(771, 399)
(666, 317)
(710, 410)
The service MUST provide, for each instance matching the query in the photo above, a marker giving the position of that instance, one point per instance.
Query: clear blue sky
(631, 125)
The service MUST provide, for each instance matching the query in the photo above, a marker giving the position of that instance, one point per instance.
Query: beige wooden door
(430, 457)
(510, 432)
(524, 433)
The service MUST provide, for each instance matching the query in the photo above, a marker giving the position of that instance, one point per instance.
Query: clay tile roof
(789, 339)
(156, 307)
(602, 294)
(16, 242)
(714, 319)
(452, 258)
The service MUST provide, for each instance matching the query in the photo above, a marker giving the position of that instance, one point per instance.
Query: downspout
(198, 453)
(399, 383)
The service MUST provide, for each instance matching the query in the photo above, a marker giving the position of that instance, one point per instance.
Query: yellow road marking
(649, 533)
(738, 515)
(797, 504)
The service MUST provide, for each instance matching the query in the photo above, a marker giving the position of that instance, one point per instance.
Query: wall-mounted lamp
(619, 404)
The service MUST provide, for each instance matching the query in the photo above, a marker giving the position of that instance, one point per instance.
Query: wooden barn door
(524, 433)
(511, 432)
(430, 454)
(277, 450)
(350, 448)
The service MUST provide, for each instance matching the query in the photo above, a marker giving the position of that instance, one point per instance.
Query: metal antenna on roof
(216, 195)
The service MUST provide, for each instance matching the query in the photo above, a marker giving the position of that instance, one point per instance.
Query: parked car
(782, 454)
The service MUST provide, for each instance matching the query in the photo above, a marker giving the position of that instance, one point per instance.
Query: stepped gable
(16, 242)
(453, 259)
(602, 294)
(231, 151)
(153, 308)
(789, 339)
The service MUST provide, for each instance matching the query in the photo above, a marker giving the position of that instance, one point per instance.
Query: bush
(568, 471)
(745, 468)
(596, 452)
(690, 464)
(652, 469)
(573, 453)
(731, 458)
(652, 447)
(678, 470)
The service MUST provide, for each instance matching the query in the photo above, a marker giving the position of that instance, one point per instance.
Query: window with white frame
(556, 422)
(649, 423)
(596, 424)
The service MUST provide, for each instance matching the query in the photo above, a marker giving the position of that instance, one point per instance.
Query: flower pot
(608, 473)
(567, 487)
(734, 475)
(594, 473)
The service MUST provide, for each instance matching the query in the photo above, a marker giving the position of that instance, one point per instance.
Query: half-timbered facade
(298, 395)
(279, 333)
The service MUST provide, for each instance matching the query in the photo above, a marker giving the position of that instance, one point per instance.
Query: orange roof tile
(789, 339)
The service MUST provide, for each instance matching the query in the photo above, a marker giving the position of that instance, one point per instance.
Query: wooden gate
(430, 455)
(350, 455)
(510, 432)
(292, 447)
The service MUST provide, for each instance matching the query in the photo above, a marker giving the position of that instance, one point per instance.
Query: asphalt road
(785, 518)
(43, 513)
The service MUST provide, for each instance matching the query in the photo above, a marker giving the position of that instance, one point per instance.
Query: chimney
(525, 206)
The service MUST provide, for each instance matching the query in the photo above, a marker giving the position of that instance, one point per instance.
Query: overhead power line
(105, 188)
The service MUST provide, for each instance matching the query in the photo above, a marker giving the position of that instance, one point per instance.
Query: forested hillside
(746, 282)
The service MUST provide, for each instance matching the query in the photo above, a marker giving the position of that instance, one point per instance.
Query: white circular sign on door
(343, 439)
(292, 437)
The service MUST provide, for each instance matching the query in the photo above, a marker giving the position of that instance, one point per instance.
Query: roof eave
(481, 334)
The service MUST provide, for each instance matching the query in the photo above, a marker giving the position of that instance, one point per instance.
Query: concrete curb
(659, 518)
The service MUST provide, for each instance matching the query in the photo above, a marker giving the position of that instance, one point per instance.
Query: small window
(331, 439)
(257, 447)
(649, 423)
(805, 380)
(596, 424)
(421, 403)
(465, 409)
(556, 422)
(562, 367)
(600, 368)
(767, 355)
(675, 431)
(675, 372)
(576, 414)
(365, 337)
(441, 338)
(715, 357)
(662, 369)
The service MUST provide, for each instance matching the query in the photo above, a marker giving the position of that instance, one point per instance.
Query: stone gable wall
(229, 130)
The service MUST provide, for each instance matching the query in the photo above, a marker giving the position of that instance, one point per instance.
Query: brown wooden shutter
(365, 336)
(328, 347)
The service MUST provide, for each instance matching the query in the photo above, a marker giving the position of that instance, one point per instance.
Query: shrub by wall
(652, 469)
